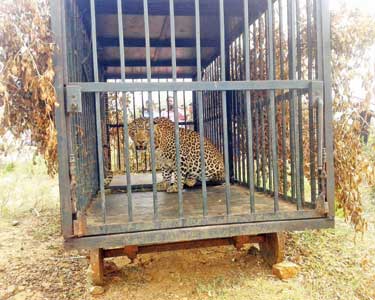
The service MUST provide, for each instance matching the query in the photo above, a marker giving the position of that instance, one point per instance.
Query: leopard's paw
(190, 182)
(173, 188)
(162, 186)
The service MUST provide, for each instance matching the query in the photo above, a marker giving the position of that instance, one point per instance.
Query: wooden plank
(97, 266)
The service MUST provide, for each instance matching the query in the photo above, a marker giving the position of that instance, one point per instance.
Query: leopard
(165, 150)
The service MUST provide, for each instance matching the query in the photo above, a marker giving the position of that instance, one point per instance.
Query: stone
(254, 251)
(11, 289)
(96, 290)
(285, 270)
(15, 223)
(110, 267)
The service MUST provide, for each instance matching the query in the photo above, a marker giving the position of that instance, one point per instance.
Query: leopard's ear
(156, 120)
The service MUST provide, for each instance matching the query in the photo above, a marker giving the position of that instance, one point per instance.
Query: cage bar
(150, 108)
(271, 75)
(294, 101)
(125, 112)
(250, 158)
(97, 111)
(200, 107)
(176, 117)
(224, 107)
(240, 90)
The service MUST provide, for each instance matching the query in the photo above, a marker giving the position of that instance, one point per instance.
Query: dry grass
(25, 186)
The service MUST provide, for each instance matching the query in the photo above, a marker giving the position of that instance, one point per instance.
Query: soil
(34, 265)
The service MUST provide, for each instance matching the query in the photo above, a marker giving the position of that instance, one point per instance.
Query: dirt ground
(33, 265)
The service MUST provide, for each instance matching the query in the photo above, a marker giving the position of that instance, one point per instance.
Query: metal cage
(252, 75)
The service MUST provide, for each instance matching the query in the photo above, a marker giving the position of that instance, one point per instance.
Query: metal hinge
(73, 98)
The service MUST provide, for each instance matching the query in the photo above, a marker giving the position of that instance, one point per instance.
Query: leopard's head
(139, 131)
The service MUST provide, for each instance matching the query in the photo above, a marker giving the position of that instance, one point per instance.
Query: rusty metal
(80, 225)
(273, 248)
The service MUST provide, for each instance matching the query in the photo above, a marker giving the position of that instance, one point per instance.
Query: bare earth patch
(33, 265)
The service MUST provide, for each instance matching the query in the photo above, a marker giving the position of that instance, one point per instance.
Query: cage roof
(159, 24)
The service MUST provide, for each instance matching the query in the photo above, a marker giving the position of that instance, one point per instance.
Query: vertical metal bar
(243, 111)
(268, 101)
(257, 148)
(176, 117)
(184, 100)
(262, 104)
(232, 76)
(134, 114)
(237, 112)
(319, 74)
(143, 103)
(330, 189)
(319, 39)
(263, 144)
(125, 111)
(283, 104)
(117, 132)
(143, 115)
(250, 161)
(300, 120)
(159, 100)
(200, 107)
(224, 105)
(311, 102)
(294, 100)
(150, 108)
(58, 27)
(97, 111)
(272, 111)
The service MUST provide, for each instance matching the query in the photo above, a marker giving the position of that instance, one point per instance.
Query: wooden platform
(143, 210)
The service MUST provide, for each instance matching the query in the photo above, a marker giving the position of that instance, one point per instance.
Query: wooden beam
(97, 266)
(132, 251)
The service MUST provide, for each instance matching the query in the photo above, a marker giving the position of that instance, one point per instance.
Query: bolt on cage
(258, 75)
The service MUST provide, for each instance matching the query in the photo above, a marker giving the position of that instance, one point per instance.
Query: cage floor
(117, 203)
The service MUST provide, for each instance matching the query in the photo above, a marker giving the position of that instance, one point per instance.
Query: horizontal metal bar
(129, 75)
(156, 43)
(182, 8)
(194, 233)
(199, 221)
(154, 63)
(193, 86)
(122, 125)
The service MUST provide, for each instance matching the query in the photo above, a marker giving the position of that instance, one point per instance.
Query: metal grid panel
(247, 105)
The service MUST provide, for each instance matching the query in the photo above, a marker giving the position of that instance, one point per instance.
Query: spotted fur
(139, 131)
